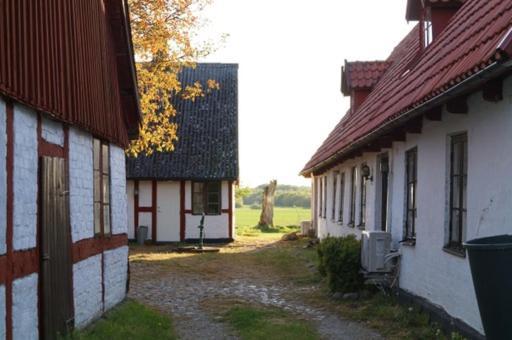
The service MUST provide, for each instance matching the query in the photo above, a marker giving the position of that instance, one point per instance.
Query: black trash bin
(490, 259)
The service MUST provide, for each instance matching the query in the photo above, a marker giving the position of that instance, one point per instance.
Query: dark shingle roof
(207, 148)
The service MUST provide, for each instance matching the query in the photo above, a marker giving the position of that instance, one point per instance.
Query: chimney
(358, 79)
(433, 15)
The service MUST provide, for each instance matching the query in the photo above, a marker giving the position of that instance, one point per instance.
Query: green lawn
(247, 217)
(254, 322)
(129, 320)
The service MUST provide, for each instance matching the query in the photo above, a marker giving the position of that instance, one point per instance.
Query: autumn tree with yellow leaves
(163, 32)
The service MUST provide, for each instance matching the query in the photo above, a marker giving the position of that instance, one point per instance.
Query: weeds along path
(198, 290)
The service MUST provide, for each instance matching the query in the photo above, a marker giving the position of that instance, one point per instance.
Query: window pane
(105, 160)
(197, 203)
(213, 209)
(454, 237)
(97, 195)
(106, 219)
(96, 153)
(97, 218)
(464, 192)
(198, 187)
(106, 189)
(455, 192)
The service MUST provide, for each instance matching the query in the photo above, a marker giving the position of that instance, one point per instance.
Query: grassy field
(247, 217)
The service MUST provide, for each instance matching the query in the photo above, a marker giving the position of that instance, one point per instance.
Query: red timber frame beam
(151, 209)
(182, 211)
(84, 249)
(230, 209)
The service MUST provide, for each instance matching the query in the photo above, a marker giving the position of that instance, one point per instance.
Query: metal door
(56, 271)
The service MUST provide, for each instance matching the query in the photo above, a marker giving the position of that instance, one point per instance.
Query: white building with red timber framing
(169, 192)
(68, 103)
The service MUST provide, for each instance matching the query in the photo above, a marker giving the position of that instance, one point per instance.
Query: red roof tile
(468, 44)
(362, 74)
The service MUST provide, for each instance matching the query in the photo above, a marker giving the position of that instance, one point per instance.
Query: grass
(285, 220)
(130, 320)
(254, 322)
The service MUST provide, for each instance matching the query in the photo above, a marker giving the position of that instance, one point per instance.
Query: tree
(240, 193)
(163, 32)
(267, 205)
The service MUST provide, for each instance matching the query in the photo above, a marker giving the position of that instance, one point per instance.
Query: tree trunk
(267, 204)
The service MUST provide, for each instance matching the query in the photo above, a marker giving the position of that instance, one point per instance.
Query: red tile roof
(362, 74)
(477, 34)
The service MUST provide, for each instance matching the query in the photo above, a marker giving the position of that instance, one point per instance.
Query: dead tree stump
(267, 204)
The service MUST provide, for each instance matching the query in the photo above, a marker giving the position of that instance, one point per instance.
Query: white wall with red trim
(97, 286)
(168, 211)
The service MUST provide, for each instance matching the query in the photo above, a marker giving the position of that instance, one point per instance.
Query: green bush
(255, 206)
(340, 262)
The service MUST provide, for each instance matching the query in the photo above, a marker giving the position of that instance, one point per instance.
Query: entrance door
(56, 271)
(384, 177)
(168, 211)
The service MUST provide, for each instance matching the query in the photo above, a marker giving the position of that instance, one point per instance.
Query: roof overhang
(466, 86)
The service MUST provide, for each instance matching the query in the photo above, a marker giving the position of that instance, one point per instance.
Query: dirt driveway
(197, 289)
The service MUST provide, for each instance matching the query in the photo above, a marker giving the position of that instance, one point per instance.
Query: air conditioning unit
(375, 245)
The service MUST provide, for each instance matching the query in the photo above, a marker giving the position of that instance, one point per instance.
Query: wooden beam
(458, 105)
(493, 90)
(435, 114)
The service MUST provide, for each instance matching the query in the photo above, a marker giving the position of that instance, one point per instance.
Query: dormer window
(428, 35)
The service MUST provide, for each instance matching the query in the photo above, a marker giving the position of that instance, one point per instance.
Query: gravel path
(185, 294)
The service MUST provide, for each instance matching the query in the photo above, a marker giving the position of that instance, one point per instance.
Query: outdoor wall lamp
(366, 172)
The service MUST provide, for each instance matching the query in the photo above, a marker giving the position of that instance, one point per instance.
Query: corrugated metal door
(56, 271)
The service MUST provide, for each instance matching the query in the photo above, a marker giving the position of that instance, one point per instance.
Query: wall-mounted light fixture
(366, 172)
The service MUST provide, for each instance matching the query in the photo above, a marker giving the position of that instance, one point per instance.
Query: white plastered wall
(216, 226)
(445, 279)
(81, 185)
(115, 275)
(52, 131)
(25, 308)
(426, 270)
(25, 178)
(87, 290)
(329, 226)
(118, 190)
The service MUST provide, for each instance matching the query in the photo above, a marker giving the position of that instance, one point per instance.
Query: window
(362, 202)
(206, 198)
(352, 196)
(101, 170)
(342, 197)
(411, 160)
(458, 193)
(427, 27)
(324, 212)
(334, 188)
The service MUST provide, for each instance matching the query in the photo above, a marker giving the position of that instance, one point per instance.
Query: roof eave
(493, 70)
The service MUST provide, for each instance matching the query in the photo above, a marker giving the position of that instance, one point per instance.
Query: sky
(290, 54)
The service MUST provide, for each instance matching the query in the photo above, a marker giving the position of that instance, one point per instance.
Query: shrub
(340, 262)
(255, 206)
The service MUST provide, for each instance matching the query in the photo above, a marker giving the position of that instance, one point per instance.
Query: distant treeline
(286, 196)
